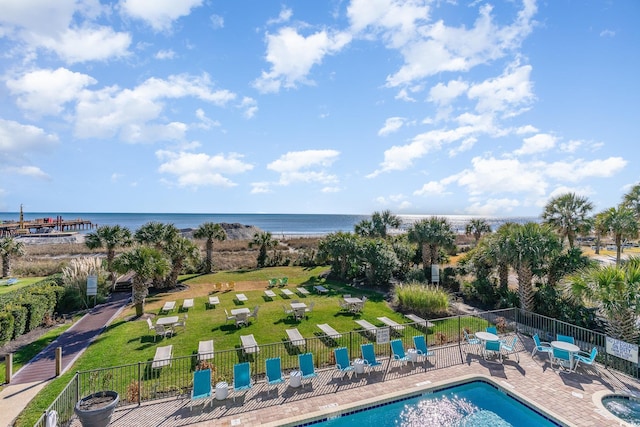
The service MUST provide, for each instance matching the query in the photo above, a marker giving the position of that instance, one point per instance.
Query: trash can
(222, 390)
(413, 354)
(295, 379)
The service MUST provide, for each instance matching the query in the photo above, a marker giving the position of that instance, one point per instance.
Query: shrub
(19, 314)
(422, 299)
(6, 327)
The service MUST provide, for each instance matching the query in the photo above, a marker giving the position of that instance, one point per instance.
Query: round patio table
(487, 336)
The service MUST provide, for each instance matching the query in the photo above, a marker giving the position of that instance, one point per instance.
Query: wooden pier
(44, 226)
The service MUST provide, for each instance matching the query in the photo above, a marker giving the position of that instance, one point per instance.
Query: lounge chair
(369, 356)
(168, 306)
(398, 354)
(213, 301)
(302, 291)
(269, 294)
(201, 388)
(368, 327)
(274, 372)
(565, 338)
(511, 348)
(540, 346)
(307, 367)
(241, 377)
(249, 344)
(241, 298)
(562, 358)
(492, 347)
(586, 358)
(287, 293)
(329, 331)
(205, 350)
(162, 357)
(392, 323)
(295, 337)
(321, 289)
(419, 320)
(421, 347)
(187, 304)
(342, 361)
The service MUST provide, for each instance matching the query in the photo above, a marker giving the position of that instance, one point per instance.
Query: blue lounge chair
(342, 360)
(421, 347)
(274, 372)
(565, 338)
(397, 350)
(201, 387)
(493, 347)
(369, 356)
(511, 348)
(586, 358)
(307, 367)
(541, 346)
(561, 357)
(241, 377)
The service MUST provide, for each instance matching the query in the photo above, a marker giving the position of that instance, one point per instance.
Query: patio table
(566, 346)
(164, 321)
(236, 311)
(486, 336)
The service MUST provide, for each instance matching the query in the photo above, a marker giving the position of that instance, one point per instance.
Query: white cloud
(29, 171)
(47, 91)
(607, 33)
(580, 169)
(431, 188)
(536, 144)
(444, 94)
(200, 169)
(392, 124)
(165, 54)
(159, 14)
(87, 44)
(260, 188)
(250, 107)
(331, 190)
(16, 138)
(217, 22)
(284, 16)
(512, 89)
(491, 207)
(571, 146)
(292, 55)
(205, 122)
(305, 166)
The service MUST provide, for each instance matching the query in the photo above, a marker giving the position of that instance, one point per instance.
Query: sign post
(92, 287)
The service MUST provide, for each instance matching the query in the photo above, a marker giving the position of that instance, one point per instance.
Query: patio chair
(273, 283)
(369, 356)
(242, 319)
(540, 346)
(161, 331)
(343, 305)
(288, 311)
(511, 348)
(201, 390)
(565, 338)
(492, 330)
(562, 358)
(274, 372)
(254, 313)
(342, 360)
(586, 358)
(309, 309)
(182, 322)
(229, 317)
(241, 377)
(150, 324)
(307, 367)
(493, 347)
(421, 347)
(470, 338)
(398, 354)
(284, 282)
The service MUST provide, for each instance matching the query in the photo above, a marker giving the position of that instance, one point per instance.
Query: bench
(419, 320)
(321, 289)
(269, 294)
(295, 337)
(302, 291)
(368, 327)
(213, 301)
(329, 331)
(205, 350)
(168, 306)
(249, 344)
(392, 323)
(162, 357)
(187, 304)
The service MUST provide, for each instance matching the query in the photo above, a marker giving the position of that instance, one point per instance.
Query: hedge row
(27, 308)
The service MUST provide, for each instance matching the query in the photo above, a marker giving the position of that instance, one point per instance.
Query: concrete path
(32, 377)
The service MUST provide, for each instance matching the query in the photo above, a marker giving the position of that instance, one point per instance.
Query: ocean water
(277, 224)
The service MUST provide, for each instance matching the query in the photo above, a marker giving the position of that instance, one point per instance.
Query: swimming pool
(472, 404)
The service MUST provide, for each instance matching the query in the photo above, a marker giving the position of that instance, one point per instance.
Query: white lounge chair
(302, 291)
(249, 344)
(368, 327)
(419, 320)
(187, 304)
(269, 294)
(389, 322)
(321, 289)
(287, 293)
(205, 350)
(168, 306)
(329, 331)
(162, 357)
(295, 337)
(213, 301)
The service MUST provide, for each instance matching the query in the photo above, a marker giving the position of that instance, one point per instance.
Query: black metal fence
(140, 382)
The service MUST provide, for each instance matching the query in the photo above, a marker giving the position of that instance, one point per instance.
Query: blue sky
(484, 108)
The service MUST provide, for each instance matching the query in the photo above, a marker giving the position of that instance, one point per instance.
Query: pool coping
(597, 397)
(336, 409)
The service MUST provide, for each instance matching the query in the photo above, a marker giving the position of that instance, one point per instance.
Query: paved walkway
(32, 377)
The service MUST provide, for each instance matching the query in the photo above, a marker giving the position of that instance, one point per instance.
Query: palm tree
(568, 214)
(476, 227)
(341, 250)
(211, 232)
(179, 251)
(614, 291)
(494, 250)
(632, 200)
(384, 220)
(264, 241)
(432, 234)
(9, 248)
(110, 237)
(156, 234)
(146, 263)
(530, 247)
(622, 224)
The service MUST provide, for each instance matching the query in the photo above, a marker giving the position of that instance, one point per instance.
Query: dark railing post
(459, 326)
(139, 383)
(77, 386)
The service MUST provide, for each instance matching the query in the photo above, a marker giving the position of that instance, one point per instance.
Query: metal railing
(140, 382)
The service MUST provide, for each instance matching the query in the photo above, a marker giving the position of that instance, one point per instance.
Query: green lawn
(5, 289)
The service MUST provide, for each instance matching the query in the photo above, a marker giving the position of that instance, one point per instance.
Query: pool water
(623, 407)
(473, 404)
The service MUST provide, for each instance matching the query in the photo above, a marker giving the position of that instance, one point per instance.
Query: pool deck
(566, 396)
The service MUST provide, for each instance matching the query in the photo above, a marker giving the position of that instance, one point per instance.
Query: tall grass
(425, 300)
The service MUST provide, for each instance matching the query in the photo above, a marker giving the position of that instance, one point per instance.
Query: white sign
(622, 349)
(435, 273)
(383, 335)
(92, 285)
